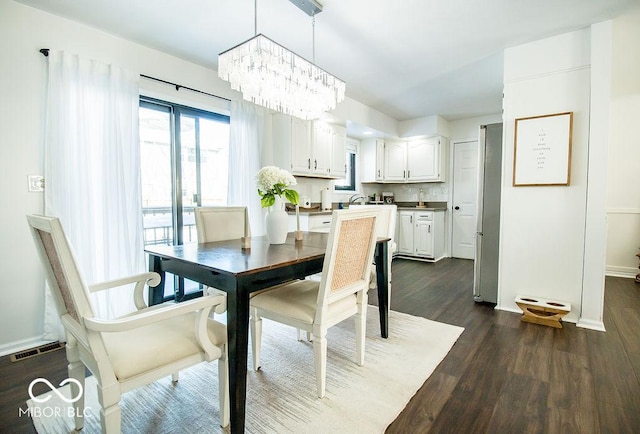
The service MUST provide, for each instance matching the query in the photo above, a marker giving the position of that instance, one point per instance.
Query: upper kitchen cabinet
(395, 161)
(314, 149)
(372, 160)
(419, 160)
(427, 159)
(338, 168)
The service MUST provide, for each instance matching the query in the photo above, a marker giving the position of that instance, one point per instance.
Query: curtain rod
(45, 53)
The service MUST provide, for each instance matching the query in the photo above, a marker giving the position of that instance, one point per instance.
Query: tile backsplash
(427, 192)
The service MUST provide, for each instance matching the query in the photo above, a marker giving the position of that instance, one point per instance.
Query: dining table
(239, 271)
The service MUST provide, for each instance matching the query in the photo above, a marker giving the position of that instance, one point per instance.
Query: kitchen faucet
(355, 198)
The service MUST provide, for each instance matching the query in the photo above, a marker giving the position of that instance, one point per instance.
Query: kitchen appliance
(326, 199)
(305, 202)
(387, 197)
(485, 270)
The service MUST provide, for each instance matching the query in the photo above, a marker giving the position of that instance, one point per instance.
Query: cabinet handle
(309, 163)
(378, 173)
(345, 168)
(315, 164)
(408, 174)
(429, 231)
(404, 174)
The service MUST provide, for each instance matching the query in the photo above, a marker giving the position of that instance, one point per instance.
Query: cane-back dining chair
(315, 306)
(132, 350)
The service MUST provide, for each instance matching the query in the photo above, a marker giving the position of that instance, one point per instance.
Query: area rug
(281, 397)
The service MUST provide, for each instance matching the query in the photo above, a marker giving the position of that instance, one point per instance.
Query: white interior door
(465, 170)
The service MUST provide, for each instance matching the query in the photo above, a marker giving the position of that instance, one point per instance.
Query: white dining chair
(221, 223)
(133, 350)
(341, 293)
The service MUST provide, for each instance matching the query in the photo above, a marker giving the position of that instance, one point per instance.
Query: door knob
(456, 208)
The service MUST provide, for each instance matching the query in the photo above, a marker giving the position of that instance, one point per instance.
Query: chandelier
(274, 77)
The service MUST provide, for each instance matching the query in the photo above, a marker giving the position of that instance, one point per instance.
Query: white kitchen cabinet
(405, 232)
(421, 234)
(311, 222)
(295, 135)
(308, 148)
(423, 160)
(395, 161)
(420, 160)
(320, 152)
(372, 160)
(338, 168)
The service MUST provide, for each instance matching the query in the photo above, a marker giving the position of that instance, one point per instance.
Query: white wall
(464, 129)
(543, 229)
(623, 181)
(428, 126)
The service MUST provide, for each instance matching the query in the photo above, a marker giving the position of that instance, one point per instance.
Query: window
(184, 155)
(349, 182)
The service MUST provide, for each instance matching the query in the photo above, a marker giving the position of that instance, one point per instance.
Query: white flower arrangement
(273, 181)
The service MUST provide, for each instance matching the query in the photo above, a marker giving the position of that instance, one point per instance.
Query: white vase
(277, 222)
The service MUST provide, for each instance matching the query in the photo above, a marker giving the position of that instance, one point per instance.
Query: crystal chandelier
(274, 77)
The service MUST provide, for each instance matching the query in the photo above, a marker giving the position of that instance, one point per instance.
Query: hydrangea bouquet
(273, 181)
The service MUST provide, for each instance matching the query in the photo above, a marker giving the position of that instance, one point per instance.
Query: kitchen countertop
(415, 208)
(402, 206)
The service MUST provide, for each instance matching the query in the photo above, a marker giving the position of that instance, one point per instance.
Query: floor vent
(26, 354)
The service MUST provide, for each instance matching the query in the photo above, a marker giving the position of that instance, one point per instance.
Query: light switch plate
(36, 183)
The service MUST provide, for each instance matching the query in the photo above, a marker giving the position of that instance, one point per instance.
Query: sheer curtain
(92, 173)
(245, 149)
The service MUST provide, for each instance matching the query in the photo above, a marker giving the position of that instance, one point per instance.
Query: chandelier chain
(313, 38)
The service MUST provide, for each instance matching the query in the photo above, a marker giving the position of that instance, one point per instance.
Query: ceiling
(405, 58)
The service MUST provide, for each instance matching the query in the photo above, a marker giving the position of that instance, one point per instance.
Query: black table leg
(156, 294)
(382, 273)
(238, 340)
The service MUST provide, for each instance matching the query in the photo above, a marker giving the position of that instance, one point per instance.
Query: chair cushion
(298, 300)
(136, 351)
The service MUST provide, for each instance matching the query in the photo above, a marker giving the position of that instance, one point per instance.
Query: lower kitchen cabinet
(421, 234)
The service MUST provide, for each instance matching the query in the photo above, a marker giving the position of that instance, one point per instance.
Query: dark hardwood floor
(506, 376)
(502, 376)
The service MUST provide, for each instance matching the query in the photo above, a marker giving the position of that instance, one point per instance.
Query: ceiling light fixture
(274, 77)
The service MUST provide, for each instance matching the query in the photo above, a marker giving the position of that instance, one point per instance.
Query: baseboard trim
(591, 324)
(24, 344)
(626, 272)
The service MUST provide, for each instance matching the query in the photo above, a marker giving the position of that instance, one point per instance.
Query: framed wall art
(542, 150)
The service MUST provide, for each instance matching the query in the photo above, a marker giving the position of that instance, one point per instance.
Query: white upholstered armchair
(132, 350)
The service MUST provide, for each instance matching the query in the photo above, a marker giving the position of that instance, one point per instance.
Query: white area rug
(281, 397)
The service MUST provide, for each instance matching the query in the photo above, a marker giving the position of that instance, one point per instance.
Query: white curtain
(92, 173)
(245, 149)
